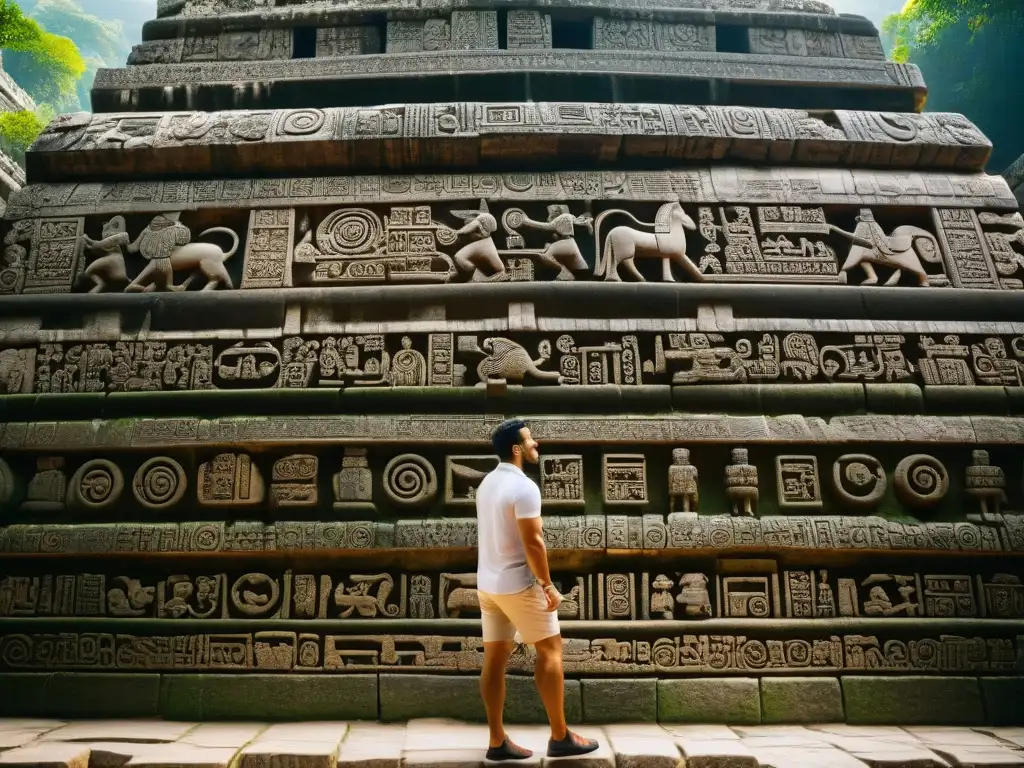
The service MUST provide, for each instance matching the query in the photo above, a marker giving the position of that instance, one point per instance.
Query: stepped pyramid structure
(265, 306)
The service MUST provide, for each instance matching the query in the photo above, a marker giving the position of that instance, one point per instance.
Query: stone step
(443, 743)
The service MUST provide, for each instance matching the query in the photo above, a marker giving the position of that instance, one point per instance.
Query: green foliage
(46, 65)
(922, 23)
(18, 130)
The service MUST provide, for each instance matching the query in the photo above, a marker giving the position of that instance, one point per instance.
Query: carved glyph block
(474, 30)
(624, 478)
(228, 480)
(561, 480)
(528, 29)
(463, 474)
(55, 258)
(294, 481)
(347, 41)
(268, 249)
(797, 482)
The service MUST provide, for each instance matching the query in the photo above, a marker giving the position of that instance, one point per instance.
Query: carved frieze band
(760, 68)
(366, 360)
(475, 430)
(564, 242)
(411, 483)
(509, 131)
(658, 595)
(669, 655)
(596, 533)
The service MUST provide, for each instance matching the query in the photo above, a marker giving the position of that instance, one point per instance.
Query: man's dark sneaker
(508, 751)
(572, 745)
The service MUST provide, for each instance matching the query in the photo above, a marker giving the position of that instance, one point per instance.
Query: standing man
(516, 594)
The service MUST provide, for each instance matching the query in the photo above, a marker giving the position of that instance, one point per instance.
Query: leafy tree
(46, 65)
(922, 22)
(18, 130)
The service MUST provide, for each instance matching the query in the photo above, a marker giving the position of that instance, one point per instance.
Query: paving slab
(184, 756)
(709, 732)
(115, 754)
(29, 724)
(326, 732)
(11, 739)
(636, 730)
(235, 735)
(52, 755)
(645, 752)
(715, 753)
(806, 757)
(865, 731)
(900, 757)
(370, 745)
(443, 758)
(420, 736)
(981, 757)
(963, 737)
(142, 731)
(288, 754)
(1014, 736)
(604, 757)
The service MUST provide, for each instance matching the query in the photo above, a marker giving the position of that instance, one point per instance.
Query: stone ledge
(490, 135)
(861, 83)
(918, 700)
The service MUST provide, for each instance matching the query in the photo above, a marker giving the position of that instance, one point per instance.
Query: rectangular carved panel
(268, 249)
(965, 250)
(347, 41)
(474, 30)
(528, 29)
(56, 256)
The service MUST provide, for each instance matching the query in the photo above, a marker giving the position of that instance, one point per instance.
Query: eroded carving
(230, 479)
(96, 485)
(741, 484)
(921, 481)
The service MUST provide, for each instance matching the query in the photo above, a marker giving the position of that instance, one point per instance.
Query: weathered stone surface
(728, 700)
(715, 753)
(222, 734)
(140, 730)
(910, 700)
(1002, 697)
(289, 754)
(645, 752)
(801, 700)
(184, 756)
(369, 745)
(610, 701)
(50, 755)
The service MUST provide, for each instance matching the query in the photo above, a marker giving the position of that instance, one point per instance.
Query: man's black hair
(506, 437)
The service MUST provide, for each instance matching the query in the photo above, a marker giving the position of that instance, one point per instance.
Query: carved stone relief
(230, 480)
(642, 35)
(347, 41)
(528, 29)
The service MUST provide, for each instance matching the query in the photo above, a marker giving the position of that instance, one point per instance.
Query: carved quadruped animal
(624, 244)
(166, 244)
(902, 250)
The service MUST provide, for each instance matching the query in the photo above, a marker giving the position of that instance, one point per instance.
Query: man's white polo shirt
(505, 495)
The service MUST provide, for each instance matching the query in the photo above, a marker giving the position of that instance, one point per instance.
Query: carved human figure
(563, 253)
(903, 249)
(741, 484)
(12, 270)
(624, 244)
(694, 595)
(109, 266)
(682, 482)
(877, 603)
(165, 244)
(826, 603)
(987, 484)
(480, 255)
(661, 598)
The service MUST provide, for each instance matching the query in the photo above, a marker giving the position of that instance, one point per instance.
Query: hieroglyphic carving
(968, 261)
(561, 480)
(1005, 247)
(347, 41)
(404, 37)
(528, 29)
(987, 484)
(474, 30)
(294, 481)
(230, 479)
(55, 256)
(159, 483)
(945, 362)
(862, 47)
(643, 35)
(794, 42)
(1004, 596)
(796, 479)
(624, 478)
(755, 597)
(859, 480)
(353, 484)
(268, 249)
(96, 485)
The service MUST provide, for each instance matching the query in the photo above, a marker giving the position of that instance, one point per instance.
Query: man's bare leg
(550, 679)
(492, 687)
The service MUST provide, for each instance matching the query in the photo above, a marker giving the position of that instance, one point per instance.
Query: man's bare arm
(532, 533)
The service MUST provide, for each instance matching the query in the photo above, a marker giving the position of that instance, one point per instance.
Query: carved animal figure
(109, 267)
(668, 243)
(479, 256)
(508, 360)
(165, 243)
(903, 249)
(357, 598)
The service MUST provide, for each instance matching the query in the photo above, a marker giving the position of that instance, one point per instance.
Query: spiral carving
(921, 481)
(859, 480)
(410, 480)
(97, 484)
(159, 483)
(302, 122)
(349, 232)
(15, 651)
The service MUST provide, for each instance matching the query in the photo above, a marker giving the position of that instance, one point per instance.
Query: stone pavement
(450, 744)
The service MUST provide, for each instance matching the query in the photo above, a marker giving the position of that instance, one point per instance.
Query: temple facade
(263, 308)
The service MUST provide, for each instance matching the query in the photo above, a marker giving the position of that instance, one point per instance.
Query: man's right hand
(554, 599)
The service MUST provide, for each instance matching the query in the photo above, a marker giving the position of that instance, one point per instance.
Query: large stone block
(613, 700)
(912, 700)
(730, 700)
(801, 700)
(1004, 700)
(24, 694)
(269, 697)
(406, 697)
(84, 694)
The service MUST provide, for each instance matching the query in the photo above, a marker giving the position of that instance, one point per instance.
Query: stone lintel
(860, 83)
(493, 135)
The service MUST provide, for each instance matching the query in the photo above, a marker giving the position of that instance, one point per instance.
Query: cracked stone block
(615, 700)
(715, 753)
(729, 700)
(912, 700)
(184, 756)
(1013, 736)
(960, 737)
(370, 745)
(52, 755)
(27, 723)
(899, 757)
(805, 757)
(645, 752)
(222, 734)
(11, 739)
(143, 731)
(116, 754)
(801, 700)
(289, 754)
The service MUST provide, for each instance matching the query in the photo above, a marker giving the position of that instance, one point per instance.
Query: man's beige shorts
(526, 612)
